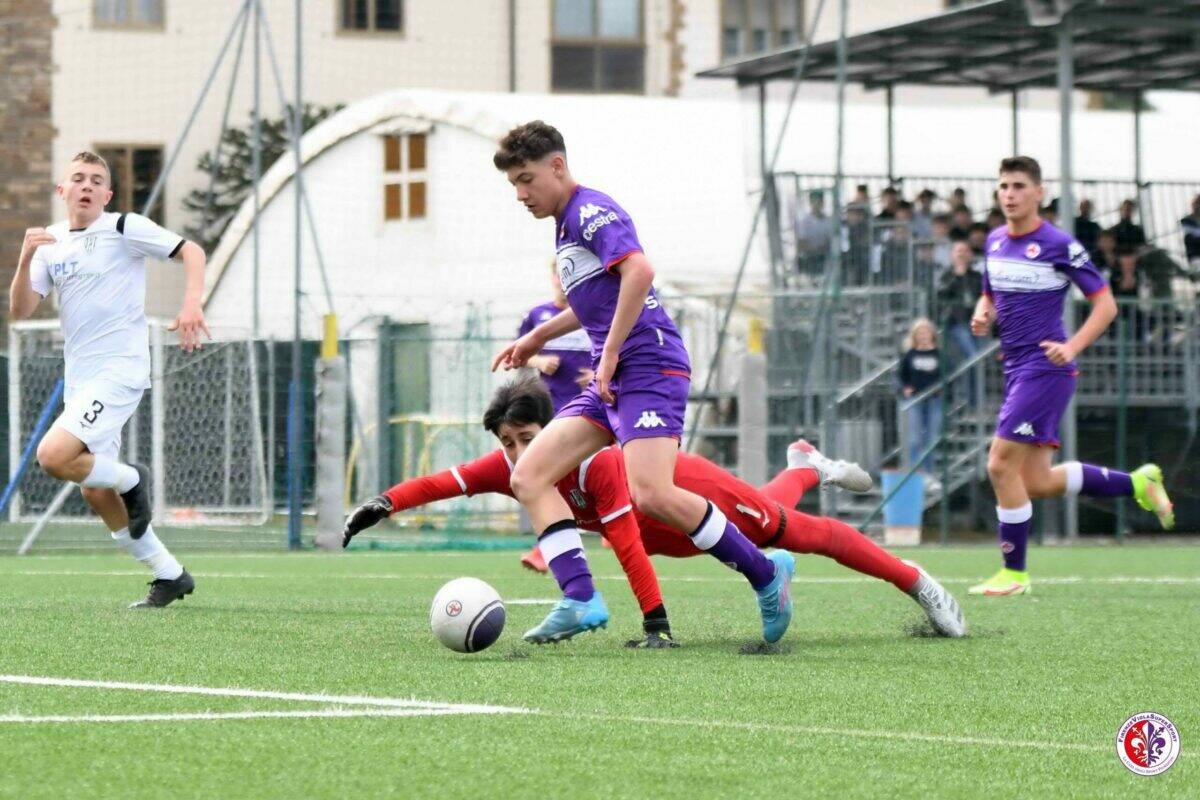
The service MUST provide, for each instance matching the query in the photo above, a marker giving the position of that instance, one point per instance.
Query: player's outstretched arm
(23, 299)
(190, 322)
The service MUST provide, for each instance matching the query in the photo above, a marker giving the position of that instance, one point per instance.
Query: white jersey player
(96, 261)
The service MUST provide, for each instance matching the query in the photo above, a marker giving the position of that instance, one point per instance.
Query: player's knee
(524, 483)
(1039, 484)
(49, 457)
(651, 497)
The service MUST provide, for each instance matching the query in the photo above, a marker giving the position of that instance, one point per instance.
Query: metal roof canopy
(1003, 46)
(1118, 45)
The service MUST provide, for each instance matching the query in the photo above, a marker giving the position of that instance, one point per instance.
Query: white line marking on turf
(807, 730)
(530, 601)
(333, 699)
(221, 715)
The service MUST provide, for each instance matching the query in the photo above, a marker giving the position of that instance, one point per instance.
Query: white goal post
(198, 428)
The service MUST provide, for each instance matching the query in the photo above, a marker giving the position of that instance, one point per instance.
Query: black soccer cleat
(138, 503)
(164, 592)
(655, 640)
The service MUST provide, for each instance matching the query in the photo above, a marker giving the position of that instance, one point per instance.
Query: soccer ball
(467, 615)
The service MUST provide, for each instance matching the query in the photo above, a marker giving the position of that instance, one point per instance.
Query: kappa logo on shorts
(649, 419)
(1024, 429)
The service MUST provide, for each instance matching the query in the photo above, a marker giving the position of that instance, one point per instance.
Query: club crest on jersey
(996, 246)
(1033, 250)
(578, 499)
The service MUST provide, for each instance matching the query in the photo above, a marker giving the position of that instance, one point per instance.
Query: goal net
(199, 428)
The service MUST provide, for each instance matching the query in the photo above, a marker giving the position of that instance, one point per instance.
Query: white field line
(201, 716)
(396, 707)
(332, 699)
(807, 730)
(1162, 580)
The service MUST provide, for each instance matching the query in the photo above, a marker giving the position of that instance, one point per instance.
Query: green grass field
(855, 704)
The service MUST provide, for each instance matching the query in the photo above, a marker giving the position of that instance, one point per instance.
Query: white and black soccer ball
(467, 615)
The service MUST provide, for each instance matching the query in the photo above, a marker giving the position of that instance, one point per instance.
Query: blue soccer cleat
(570, 617)
(775, 599)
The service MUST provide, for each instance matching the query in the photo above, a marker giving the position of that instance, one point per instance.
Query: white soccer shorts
(96, 412)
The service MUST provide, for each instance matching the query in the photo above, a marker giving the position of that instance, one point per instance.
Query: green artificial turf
(857, 702)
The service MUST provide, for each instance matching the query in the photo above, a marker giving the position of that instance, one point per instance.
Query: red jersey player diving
(638, 396)
(598, 497)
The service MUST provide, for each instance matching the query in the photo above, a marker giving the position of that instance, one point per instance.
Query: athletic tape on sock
(1014, 516)
(711, 529)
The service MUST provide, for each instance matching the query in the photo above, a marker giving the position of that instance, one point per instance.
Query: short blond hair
(910, 341)
(88, 157)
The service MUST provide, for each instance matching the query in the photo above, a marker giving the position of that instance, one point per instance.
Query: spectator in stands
(1126, 288)
(894, 256)
(977, 237)
(940, 254)
(1159, 269)
(921, 368)
(889, 199)
(814, 231)
(862, 197)
(960, 224)
(995, 218)
(1105, 257)
(1087, 230)
(923, 214)
(1129, 234)
(858, 256)
(958, 199)
(1191, 234)
(1050, 212)
(958, 292)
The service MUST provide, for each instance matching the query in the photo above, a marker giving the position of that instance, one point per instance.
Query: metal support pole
(512, 45)
(1066, 206)
(295, 430)
(256, 163)
(1137, 154)
(1016, 130)
(891, 136)
(829, 413)
(1122, 413)
(212, 74)
(771, 203)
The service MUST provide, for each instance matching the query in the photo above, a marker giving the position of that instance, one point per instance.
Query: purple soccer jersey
(593, 236)
(1028, 277)
(574, 352)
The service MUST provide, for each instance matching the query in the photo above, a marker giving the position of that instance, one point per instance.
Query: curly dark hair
(529, 142)
(1024, 164)
(519, 402)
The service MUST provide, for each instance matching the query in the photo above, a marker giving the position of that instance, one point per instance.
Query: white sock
(1074, 477)
(151, 552)
(109, 474)
(711, 530)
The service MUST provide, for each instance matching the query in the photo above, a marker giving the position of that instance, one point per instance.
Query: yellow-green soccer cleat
(1004, 583)
(1151, 495)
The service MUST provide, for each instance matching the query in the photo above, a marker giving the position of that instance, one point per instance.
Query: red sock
(789, 486)
(845, 545)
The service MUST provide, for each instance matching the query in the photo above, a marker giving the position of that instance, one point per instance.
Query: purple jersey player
(565, 363)
(1029, 270)
(638, 395)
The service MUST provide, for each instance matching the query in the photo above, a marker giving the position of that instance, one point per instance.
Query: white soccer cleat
(846, 474)
(939, 605)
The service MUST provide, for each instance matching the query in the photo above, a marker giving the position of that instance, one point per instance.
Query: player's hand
(657, 640)
(584, 378)
(34, 238)
(981, 322)
(604, 375)
(1059, 353)
(190, 323)
(548, 365)
(518, 353)
(365, 516)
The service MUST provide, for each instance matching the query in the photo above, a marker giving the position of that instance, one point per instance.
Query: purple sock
(563, 550)
(1014, 534)
(724, 541)
(1105, 482)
